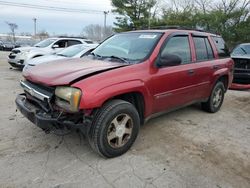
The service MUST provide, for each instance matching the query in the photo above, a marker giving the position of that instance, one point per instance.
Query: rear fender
(218, 74)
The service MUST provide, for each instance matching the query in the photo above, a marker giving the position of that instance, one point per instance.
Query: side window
(73, 42)
(62, 43)
(221, 47)
(203, 48)
(209, 49)
(178, 45)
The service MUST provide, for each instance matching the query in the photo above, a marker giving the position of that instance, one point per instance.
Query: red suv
(128, 79)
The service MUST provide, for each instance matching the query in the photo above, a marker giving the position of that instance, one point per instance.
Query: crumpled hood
(63, 72)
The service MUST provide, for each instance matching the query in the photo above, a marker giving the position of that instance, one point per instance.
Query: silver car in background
(76, 51)
(20, 56)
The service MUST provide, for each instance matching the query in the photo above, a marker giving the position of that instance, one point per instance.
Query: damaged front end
(241, 79)
(241, 71)
(50, 112)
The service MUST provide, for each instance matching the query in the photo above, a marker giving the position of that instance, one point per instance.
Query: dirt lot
(185, 148)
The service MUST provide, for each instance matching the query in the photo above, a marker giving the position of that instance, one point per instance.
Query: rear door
(174, 86)
(204, 66)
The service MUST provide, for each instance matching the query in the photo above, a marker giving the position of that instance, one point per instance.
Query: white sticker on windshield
(147, 36)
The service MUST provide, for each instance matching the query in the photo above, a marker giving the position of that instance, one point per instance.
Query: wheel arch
(37, 55)
(224, 79)
(136, 98)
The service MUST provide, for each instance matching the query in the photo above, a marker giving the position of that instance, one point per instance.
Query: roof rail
(182, 28)
(72, 37)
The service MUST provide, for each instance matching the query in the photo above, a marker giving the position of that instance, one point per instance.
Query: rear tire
(216, 98)
(114, 128)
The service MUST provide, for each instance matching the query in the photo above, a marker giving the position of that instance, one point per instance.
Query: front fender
(96, 99)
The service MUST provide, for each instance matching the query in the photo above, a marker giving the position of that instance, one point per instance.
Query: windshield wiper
(125, 60)
(95, 55)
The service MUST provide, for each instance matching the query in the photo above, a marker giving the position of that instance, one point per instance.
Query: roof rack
(72, 37)
(182, 28)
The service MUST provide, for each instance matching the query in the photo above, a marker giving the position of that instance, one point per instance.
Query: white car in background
(20, 56)
(76, 51)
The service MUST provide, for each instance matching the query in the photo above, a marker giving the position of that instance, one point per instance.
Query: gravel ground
(186, 148)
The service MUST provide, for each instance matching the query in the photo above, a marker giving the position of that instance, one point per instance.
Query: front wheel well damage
(136, 99)
(224, 80)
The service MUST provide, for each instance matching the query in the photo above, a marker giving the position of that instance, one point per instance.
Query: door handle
(191, 72)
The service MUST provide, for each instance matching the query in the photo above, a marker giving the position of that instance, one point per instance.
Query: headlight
(68, 98)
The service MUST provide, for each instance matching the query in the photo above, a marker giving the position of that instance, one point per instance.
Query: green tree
(228, 18)
(185, 18)
(133, 14)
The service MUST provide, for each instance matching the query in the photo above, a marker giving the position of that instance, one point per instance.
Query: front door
(174, 86)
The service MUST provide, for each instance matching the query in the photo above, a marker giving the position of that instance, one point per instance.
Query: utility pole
(105, 22)
(34, 19)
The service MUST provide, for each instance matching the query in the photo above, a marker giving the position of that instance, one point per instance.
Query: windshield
(45, 43)
(72, 50)
(241, 50)
(130, 46)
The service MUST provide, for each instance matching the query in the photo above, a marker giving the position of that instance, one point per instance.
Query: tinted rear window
(73, 42)
(221, 47)
(203, 48)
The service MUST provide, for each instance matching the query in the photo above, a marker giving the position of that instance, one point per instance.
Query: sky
(55, 22)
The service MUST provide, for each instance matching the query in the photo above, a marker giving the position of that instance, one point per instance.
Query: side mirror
(167, 60)
(55, 46)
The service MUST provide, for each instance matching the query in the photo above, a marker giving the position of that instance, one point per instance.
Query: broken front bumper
(31, 112)
(45, 120)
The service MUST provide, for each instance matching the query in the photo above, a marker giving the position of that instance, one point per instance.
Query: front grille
(242, 63)
(39, 94)
(15, 51)
(36, 90)
(242, 71)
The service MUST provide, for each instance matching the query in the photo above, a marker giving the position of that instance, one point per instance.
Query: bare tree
(204, 5)
(96, 32)
(13, 27)
(42, 35)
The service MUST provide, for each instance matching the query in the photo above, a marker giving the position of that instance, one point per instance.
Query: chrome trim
(33, 92)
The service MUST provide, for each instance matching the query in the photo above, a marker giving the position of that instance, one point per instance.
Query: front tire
(216, 98)
(114, 128)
